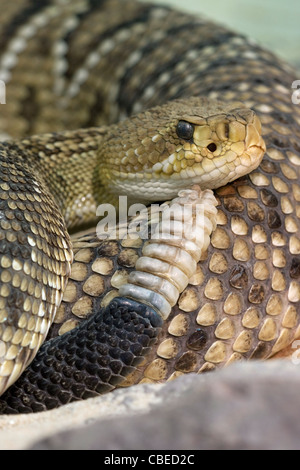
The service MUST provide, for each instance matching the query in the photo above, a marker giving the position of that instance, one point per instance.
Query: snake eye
(212, 147)
(185, 130)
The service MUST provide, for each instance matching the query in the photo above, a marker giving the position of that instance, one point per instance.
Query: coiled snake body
(89, 64)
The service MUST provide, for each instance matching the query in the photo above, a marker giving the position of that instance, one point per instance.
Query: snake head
(184, 142)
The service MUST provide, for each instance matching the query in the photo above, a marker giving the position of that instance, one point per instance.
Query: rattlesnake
(89, 64)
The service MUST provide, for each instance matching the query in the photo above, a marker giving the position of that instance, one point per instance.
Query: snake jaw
(194, 141)
(156, 167)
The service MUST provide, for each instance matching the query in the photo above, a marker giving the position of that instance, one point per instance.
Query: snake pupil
(212, 147)
(185, 130)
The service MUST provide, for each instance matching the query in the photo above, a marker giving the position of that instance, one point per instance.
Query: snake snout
(230, 146)
(255, 144)
(251, 134)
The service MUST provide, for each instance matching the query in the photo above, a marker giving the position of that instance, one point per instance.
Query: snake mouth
(257, 148)
(218, 149)
(255, 144)
(256, 152)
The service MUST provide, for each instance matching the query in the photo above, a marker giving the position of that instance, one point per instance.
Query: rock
(245, 406)
(250, 405)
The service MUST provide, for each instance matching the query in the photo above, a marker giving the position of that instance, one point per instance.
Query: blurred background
(273, 23)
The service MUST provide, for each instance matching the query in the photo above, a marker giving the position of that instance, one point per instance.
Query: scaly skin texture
(149, 157)
(108, 62)
(143, 157)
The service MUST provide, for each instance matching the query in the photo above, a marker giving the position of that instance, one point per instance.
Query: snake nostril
(212, 147)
